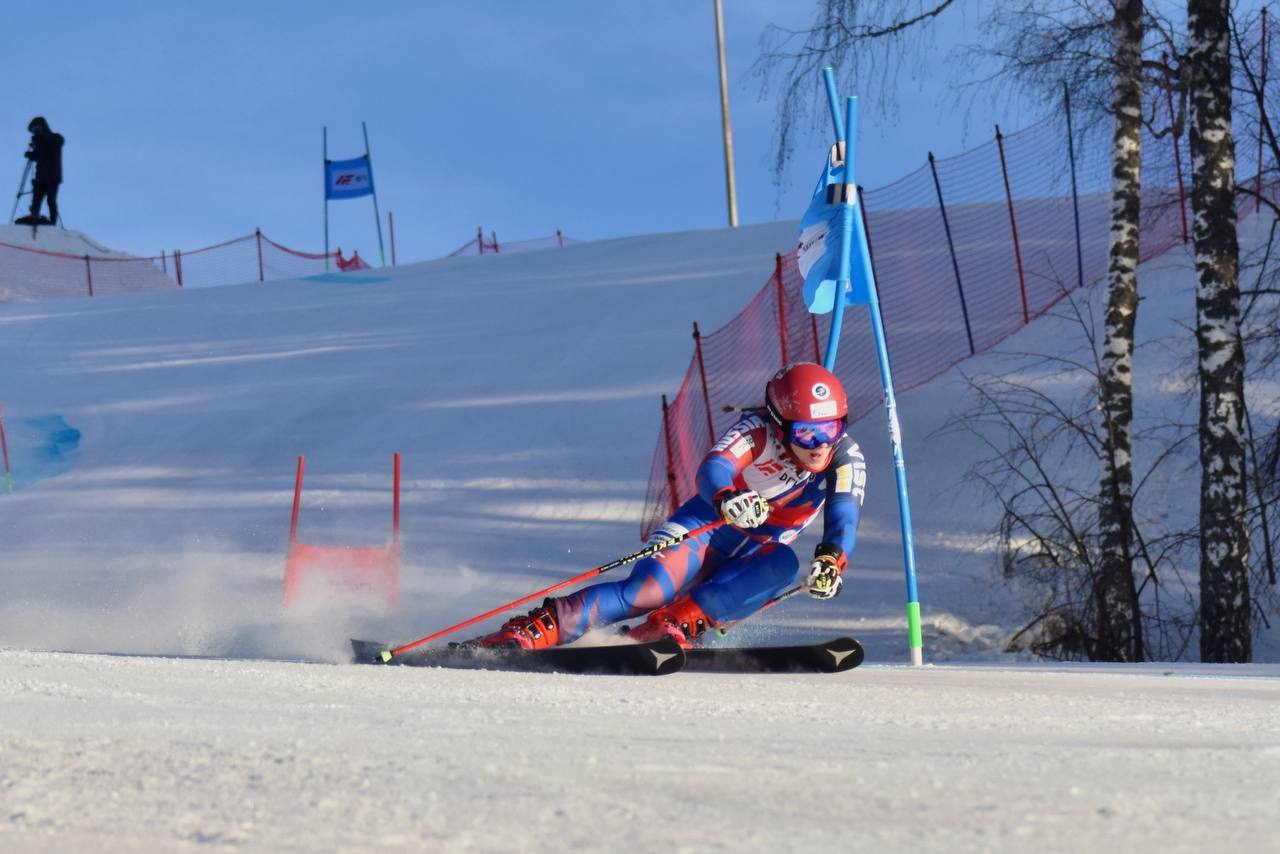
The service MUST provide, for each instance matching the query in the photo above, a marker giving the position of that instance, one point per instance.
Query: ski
(833, 656)
(648, 659)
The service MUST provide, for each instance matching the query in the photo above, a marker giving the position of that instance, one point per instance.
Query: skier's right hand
(746, 509)
(824, 581)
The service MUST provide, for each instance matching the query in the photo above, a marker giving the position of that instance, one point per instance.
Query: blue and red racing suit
(731, 572)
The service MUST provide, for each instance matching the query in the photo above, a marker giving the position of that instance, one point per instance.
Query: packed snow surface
(112, 753)
(154, 694)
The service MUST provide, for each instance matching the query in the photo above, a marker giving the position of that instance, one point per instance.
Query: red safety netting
(29, 273)
(481, 245)
(252, 258)
(943, 297)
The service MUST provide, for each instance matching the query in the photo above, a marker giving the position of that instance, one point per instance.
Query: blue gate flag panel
(818, 253)
(348, 179)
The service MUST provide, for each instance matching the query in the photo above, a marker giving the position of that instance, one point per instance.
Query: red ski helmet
(805, 392)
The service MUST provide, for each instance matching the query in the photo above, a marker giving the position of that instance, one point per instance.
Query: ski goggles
(814, 434)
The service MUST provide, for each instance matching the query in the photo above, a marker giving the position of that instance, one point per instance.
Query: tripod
(26, 170)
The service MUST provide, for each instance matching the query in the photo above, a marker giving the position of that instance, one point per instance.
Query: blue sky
(188, 126)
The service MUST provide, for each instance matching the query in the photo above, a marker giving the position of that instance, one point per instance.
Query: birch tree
(1118, 623)
(1225, 632)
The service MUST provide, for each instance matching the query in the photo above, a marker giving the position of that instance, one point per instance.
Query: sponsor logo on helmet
(820, 391)
(819, 411)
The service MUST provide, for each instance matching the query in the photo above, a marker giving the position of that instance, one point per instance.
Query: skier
(767, 478)
(45, 151)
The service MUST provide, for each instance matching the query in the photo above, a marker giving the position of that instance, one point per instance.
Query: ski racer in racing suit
(767, 478)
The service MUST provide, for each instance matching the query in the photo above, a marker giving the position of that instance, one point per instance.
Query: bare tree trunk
(1224, 537)
(1118, 625)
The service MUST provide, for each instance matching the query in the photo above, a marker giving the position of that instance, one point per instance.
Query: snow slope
(130, 754)
(154, 439)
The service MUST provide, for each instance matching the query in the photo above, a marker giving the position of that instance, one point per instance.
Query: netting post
(671, 469)
(702, 372)
(1257, 184)
(257, 233)
(391, 229)
(782, 308)
(1013, 225)
(480, 238)
(493, 236)
(1177, 162)
(177, 264)
(866, 226)
(560, 237)
(164, 262)
(955, 264)
(88, 274)
(1075, 195)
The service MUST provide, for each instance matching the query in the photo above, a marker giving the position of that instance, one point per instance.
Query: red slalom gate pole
(297, 501)
(4, 446)
(653, 549)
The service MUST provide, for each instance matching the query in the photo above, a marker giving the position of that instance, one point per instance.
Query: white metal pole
(724, 120)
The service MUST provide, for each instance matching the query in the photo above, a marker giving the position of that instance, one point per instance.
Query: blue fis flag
(348, 179)
(818, 253)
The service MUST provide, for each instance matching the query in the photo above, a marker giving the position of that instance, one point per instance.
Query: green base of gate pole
(913, 632)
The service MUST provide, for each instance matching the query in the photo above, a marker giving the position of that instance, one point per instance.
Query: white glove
(824, 580)
(744, 509)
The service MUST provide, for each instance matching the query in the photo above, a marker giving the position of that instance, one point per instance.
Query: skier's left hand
(824, 580)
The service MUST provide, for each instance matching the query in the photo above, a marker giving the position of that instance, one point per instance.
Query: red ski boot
(683, 620)
(536, 630)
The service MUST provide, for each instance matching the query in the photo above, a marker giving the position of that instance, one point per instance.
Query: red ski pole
(648, 550)
(781, 597)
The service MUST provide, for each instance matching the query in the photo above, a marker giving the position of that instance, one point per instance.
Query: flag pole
(725, 125)
(377, 218)
(852, 227)
(324, 135)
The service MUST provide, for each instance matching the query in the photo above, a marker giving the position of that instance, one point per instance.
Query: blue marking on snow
(346, 278)
(40, 448)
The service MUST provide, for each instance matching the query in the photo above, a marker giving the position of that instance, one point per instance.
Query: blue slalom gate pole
(844, 282)
(851, 227)
(377, 218)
